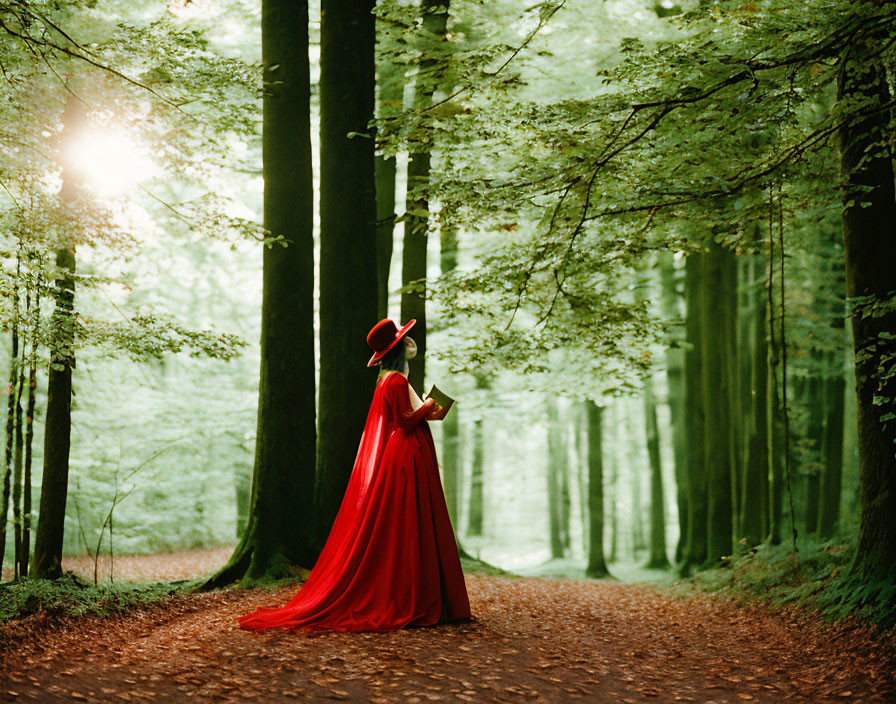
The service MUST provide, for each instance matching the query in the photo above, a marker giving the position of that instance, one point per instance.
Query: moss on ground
(817, 577)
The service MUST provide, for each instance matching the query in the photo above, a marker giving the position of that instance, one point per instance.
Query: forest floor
(532, 639)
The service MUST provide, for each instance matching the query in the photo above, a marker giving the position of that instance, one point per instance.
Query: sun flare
(110, 161)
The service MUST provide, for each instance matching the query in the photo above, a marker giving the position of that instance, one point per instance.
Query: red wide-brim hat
(384, 336)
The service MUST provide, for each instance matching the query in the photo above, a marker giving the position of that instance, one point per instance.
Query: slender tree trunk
(579, 427)
(736, 382)
(279, 535)
(869, 237)
(348, 279)
(676, 398)
(556, 466)
(562, 467)
(717, 401)
(695, 553)
(29, 427)
(832, 443)
(477, 482)
(613, 477)
(390, 83)
(18, 462)
(658, 558)
(58, 423)
(632, 445)
(816, 399)
(775, 424)
(8, 479)
(597, 565)
(416, 224)
(451, 446)
(754, 495)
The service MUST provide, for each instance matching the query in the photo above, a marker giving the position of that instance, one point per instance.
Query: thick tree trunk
(58, 423)
(717, 392)
(754, 494)
(695, 552)
(279, 535)
(348, 278)
(597, 565)
(416, 224)
(675, 379)
(869, 237)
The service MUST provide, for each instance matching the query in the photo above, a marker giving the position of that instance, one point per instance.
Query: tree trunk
(675, 400)
(695, 552)
(632, 451)
(613, 477)
(815, 433)
(8, 479)
(451, 446)
(775, 454)
(597, 566)
(717, 392)
(658, 558)
(736, 381)
(348, 279)
(579, 426)
(832, 442)
(477, 482)
(279, 535)
(58, 423)
(29, 425)
(556, 467)
(754, 494)
(390, 84)
(18, 463)
(416, 224)
(869, 237)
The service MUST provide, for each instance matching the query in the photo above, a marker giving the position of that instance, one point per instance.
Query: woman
(390, 559)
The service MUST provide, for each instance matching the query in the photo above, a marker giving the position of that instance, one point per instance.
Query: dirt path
(531, 640)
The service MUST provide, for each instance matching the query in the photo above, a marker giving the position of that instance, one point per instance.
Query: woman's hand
(436, 413)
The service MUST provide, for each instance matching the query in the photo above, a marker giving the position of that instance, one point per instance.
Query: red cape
(390, 560)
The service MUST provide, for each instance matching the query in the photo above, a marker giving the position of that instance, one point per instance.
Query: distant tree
(597, 566)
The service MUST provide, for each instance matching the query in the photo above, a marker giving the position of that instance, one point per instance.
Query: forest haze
(650, 247)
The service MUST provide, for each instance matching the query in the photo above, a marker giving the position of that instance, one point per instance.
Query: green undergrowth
(816, 577)
(471, 565)
(71, 596)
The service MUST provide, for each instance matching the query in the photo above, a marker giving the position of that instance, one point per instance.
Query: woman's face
(410, 347)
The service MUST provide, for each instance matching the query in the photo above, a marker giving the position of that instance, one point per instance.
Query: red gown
(390, 559)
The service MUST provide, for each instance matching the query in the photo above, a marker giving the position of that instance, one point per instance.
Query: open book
(440, 397)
